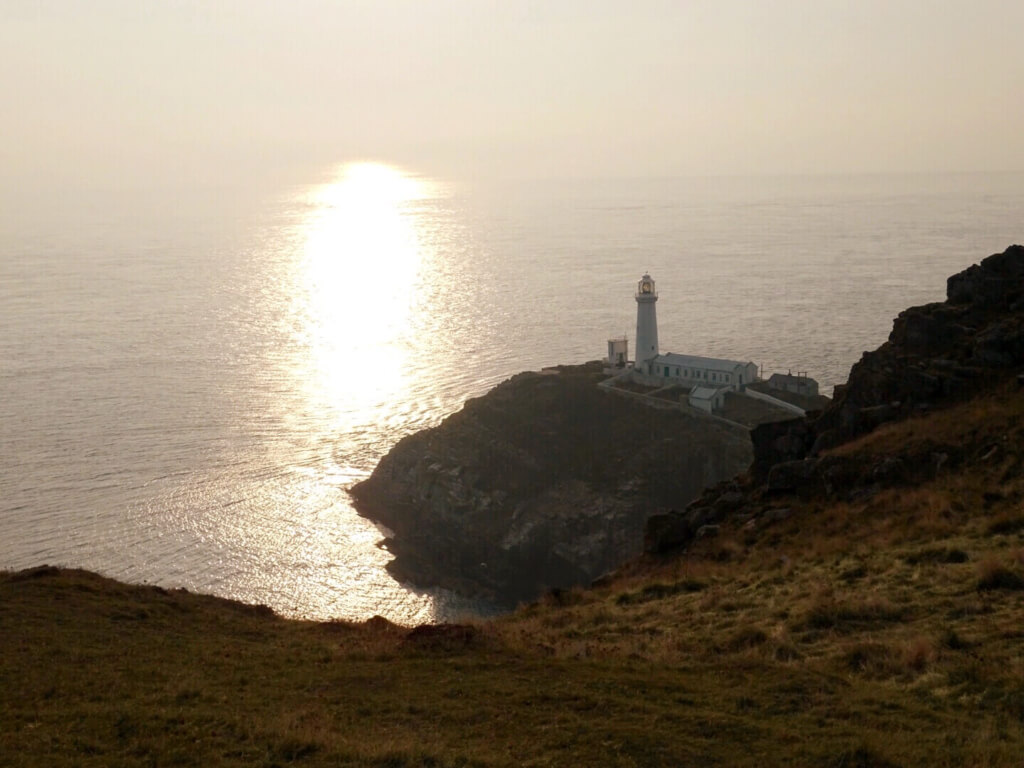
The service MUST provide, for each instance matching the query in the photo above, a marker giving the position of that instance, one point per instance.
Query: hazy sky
(460, 87)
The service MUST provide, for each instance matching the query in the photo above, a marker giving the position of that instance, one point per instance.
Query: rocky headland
(545, 481)
(551, 481)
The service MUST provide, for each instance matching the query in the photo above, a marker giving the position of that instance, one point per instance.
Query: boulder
(666, 531)
(775, 514)
(729, 502)
(707, 532)
(780, 441)
(792, 476)
(995, 282)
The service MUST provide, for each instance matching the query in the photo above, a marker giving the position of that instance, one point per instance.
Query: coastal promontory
(545, 481)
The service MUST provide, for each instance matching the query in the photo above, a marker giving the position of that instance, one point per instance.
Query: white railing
(774, 401)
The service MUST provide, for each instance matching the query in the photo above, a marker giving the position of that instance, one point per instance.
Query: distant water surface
(192, 379)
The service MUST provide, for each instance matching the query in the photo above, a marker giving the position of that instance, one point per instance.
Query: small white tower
(618, 352)
(646, 321)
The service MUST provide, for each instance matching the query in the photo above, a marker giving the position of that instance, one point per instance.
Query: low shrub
(953, 641)
(918, 654)
(562, 597)
(853, 573)
(659, 591)
(1005, 525)
(993, 575)
(827, 613)
(747, 637)
(860, 757)
(872, 659)
(937, 555)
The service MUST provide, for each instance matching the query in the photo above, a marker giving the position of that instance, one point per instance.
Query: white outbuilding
(707, 399)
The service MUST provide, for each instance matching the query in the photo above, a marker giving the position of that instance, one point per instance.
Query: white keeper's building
(693, 371)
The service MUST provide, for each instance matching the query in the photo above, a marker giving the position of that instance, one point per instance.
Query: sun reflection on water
(346, 302)
(353, 281)
(361, 258)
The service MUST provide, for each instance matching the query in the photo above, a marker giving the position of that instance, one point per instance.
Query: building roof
(788, 377)
(707, 363)
(705, 393)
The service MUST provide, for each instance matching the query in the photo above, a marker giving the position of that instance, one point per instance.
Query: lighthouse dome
(646, 286)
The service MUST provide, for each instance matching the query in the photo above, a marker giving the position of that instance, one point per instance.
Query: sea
(191, 378)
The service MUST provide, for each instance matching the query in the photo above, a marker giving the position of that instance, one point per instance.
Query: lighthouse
(646, 321)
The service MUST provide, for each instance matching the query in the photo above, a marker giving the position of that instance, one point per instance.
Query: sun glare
(362, 257)
(371, 185)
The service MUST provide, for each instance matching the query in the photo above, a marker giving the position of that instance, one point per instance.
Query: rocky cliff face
(546, 481)
(936, 355)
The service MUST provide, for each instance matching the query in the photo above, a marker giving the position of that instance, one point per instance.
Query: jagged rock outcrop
(779, 441)
(546, 481)
(937, 354)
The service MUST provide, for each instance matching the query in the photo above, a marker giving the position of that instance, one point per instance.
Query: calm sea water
(190, 380)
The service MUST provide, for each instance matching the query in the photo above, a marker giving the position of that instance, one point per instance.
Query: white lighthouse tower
(646, 321)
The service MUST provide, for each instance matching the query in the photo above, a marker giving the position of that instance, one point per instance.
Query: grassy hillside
(881, 625)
